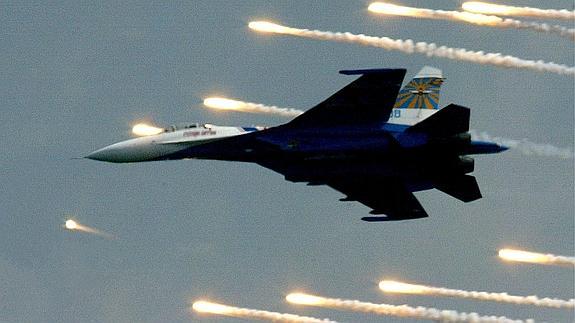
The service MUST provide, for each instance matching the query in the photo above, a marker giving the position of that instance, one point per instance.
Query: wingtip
(372, 71)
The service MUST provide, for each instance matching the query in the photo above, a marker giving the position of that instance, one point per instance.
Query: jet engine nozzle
(466, 164)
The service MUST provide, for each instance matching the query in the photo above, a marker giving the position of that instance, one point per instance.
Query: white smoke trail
(229, 104)
(219, 309)
(468, 17)
(525, 146)
(399, 287)
(535, 257)
(419, 312)
(502, 10)
(410, 47)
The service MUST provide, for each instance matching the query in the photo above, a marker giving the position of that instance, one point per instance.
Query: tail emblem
(420, 93)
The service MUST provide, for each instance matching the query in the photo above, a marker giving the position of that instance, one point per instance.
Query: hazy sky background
(76, 75)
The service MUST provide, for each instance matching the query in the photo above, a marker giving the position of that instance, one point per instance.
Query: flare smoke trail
(419, 312)
(219, 309)
(468, 17)
(75, 226)
(390, 286)
(525, 146)
(410, 47)
(535, 257)
(501, 10)
(228, 104)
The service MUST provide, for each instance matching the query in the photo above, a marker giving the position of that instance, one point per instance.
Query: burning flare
(495, 9)
(269, 27)
(410, 47)
(390, 286)
(391, 9)
(395, 310)
(212, 308)
(229, 104)
(219, 309)
(75, 226)
(468, 17)
(142, 129)
(535, 257)
(305, 299)
(71, 225)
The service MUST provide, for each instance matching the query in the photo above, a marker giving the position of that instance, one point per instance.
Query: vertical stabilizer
(419, 99)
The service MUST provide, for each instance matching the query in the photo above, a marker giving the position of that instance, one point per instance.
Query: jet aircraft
(371, 141)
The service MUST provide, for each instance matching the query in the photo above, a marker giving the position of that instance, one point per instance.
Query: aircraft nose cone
(121, 152)
(129, 151)
(105, 154)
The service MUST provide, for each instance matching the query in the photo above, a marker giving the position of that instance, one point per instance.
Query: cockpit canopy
(176, 127)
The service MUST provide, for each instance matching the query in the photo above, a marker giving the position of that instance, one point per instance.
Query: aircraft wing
(367, 100)
(388, 198)
(385, 195)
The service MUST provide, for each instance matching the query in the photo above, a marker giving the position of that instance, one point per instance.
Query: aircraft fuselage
(377, 151)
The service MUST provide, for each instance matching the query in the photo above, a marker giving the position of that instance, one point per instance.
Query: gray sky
(75, 75)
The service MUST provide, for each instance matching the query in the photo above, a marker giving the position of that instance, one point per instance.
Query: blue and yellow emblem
(420, 93)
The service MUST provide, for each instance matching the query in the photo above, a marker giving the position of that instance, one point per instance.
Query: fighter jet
(370, 141)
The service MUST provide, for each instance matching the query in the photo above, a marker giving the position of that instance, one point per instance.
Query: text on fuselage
(199, 133)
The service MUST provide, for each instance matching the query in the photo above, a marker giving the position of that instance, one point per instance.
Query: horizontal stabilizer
(451, 120)
(463, 188)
